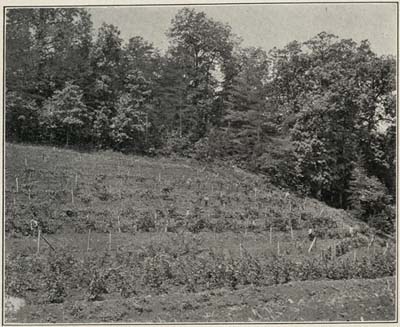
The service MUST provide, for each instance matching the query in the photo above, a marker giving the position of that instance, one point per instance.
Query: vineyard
(107, 237)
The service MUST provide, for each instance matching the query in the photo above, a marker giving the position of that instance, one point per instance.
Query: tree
(142, 69)
(22, 122)
(66, 116)
(246, 96)
(370, 201)
(288, 82)
(324, 147)
(45, 48)
(377, 119)
(130, 125)
(202, 47)
(332, 90)
(105, 82)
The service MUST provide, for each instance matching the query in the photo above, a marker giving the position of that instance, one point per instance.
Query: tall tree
(202, 47)
(332, 89)
(65, 115)
(105, 81)
(44, 48)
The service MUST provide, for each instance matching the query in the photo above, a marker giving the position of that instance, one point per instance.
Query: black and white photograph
(200, 163)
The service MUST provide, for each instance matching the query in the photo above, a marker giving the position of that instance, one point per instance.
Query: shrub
(371, 201)
(145, 222)
(176, 145)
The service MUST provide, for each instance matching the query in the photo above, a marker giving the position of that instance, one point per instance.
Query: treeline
(317, 117)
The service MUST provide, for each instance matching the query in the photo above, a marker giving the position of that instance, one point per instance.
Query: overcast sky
(266, 25)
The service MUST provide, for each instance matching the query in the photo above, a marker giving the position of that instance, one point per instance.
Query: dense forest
(316, 117)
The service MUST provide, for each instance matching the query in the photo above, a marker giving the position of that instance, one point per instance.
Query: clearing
(133, 239)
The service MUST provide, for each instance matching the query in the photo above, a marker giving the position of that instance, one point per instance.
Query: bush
(371, 202)
(176, 145)
(145, 223)
(385, 220)
(48, 216)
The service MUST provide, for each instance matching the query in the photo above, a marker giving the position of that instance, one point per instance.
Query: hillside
(135, 232)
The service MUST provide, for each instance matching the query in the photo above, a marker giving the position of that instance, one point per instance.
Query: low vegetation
(119, 226)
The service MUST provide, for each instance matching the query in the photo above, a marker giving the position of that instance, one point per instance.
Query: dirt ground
(343, 300)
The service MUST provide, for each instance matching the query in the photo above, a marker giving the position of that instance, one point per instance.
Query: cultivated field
(133, 239)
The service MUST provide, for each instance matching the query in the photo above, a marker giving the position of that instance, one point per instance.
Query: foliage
(327, 87)
(130, 126)
(53, 276)
(22, 117)
(370, 201)
(202, 47)
(65, 112)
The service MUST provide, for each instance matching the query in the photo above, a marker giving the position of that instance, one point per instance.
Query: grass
(111, 191)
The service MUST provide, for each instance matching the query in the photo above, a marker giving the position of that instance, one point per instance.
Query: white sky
(266, 25)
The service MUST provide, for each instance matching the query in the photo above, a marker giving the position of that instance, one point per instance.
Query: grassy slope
(111, 184)
(115, 192)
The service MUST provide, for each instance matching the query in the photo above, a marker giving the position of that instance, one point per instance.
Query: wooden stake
(270, 235)
(16, 183)
(334, 251)
(312, 244)
(88, 242)
(386, 248)
(278, 249)
(48, 243)
(72, 196)
(26, 162)
(372, 241)
(76, 179)
(38, 241)
(119, 224)
(355, 255)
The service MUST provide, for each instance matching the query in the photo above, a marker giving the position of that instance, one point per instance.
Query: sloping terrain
(126, 238)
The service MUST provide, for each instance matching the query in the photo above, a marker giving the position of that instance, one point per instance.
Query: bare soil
(342, 300)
